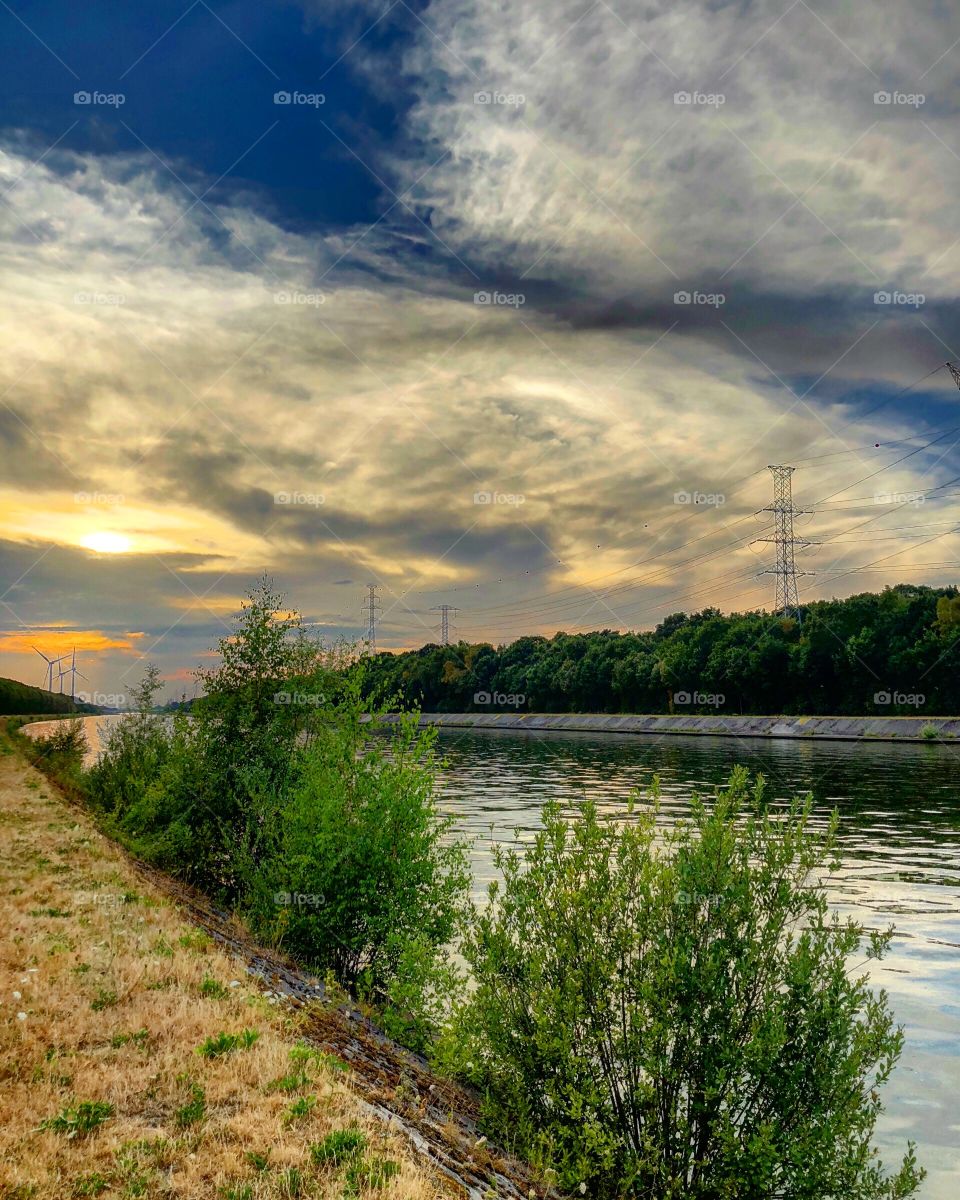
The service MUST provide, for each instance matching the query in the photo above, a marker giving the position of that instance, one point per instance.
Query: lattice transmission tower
(372, 609)
(444, 610)
(787, 544)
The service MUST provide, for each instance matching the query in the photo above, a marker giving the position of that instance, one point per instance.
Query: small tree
(672, 1013)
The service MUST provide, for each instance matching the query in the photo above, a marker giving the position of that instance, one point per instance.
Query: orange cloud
(64, 641)
(180, 675)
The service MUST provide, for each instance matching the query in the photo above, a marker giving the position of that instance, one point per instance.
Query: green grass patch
(213, 989)
(80, 1119)
(369, 1174)
(339, 1147)
(300, 1109)
(223, 1043)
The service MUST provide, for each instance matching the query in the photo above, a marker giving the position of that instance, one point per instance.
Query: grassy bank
(134, 1061)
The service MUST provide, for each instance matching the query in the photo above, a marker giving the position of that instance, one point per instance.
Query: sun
(106, 542)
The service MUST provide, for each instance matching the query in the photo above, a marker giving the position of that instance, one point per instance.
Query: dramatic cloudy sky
(245, 336)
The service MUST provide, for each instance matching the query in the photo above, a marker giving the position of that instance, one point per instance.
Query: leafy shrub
(671, 1014)
(361, 839)
(326, 837)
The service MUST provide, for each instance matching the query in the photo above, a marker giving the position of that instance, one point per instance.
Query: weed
(369, 1173)
(196, 940)
(89, 1185)
(291, 1184)
(225, 1043)
(79, 1119)
(300, 1108)
(50, 912)
(338, 1147)
(243, 1191)
(289, 1083)
(302, 1054)
(104, 999)
(194, 1110)
(139, 1038)
(259, 1161)
(213, 988)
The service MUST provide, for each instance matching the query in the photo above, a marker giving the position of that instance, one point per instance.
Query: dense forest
(893, 652)
(20, 699)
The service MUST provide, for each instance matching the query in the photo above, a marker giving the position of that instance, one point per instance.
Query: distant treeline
(893, 652)
(20, 699)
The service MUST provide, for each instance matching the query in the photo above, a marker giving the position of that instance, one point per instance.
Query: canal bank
(847, 729)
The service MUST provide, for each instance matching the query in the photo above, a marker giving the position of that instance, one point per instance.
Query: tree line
(889, 652)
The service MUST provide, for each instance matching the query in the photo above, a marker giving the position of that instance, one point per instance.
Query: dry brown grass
(89, 958)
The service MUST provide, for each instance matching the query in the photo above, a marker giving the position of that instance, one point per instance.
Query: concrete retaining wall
(899, 729)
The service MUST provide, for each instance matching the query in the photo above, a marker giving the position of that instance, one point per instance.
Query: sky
(506, 307)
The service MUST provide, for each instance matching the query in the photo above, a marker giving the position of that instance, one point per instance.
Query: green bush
(359, 873)
(60, 755)
(673, 1014)
(285, 795)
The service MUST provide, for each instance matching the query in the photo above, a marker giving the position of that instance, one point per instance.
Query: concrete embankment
(891, 729)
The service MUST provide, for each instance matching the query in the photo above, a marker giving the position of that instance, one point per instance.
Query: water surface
(899, 811)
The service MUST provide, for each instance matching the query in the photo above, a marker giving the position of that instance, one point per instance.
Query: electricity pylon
(784, 510)
(373, 611)
(445, 610)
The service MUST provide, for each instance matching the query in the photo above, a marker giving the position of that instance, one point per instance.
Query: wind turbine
(73, 673)
(51, 663)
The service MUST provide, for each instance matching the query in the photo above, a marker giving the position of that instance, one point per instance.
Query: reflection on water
(900, 838)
